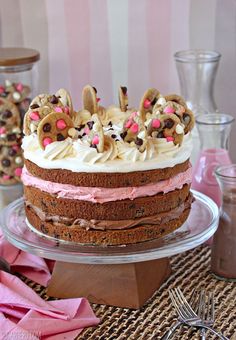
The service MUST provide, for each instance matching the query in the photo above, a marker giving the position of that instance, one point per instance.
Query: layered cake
(110, 176)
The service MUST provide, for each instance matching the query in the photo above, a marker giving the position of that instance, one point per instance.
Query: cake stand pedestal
(125, 285)
(123, 276)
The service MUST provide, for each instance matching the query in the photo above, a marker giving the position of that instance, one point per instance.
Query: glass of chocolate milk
(223, 256)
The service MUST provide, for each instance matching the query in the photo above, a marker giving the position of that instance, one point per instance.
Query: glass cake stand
(199, 227)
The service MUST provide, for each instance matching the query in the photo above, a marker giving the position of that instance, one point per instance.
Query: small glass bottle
(223, 256)
(214, 130)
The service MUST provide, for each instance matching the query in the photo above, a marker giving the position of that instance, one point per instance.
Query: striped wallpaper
(129, 42)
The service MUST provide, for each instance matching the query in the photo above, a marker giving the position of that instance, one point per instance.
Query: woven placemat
(190, 270)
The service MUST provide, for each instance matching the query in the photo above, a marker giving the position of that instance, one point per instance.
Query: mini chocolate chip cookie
(54, 127)
(135, 131)
(90, 100)
(93, 132)
(148, 101)
(177, 99)
(11, 164)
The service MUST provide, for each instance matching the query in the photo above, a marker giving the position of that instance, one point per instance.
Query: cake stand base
(122, 285)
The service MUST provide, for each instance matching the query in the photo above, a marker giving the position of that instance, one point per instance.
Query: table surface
(190, 270)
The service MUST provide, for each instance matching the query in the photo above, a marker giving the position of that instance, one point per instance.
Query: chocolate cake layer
(108, 237)
(105, 180)
(116, 210)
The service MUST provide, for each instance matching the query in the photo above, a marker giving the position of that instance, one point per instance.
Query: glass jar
(223, 256)
(214, 130)
(19, 76)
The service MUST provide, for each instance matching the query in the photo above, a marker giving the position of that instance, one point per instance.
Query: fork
(205, 310)
(188, 316)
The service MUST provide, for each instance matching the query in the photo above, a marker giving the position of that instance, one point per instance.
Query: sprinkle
(58, 109)
(61, 124)
(16, 95)
(128, 124)
(16, 147)
(147, 103)
(161, 101)
(18, 171)
(19, 87)
(134, 128)
(179, 129)
(156, 123)
(169, 109)
(98, 99)
(16, 130)
(95, 140)
(2, 90)
(2, 130)
(47, 141)
(67, 110)
(6, 177)
(86, 130)
(170, 139)
(8, 83)
(34, 115)
(134, 114)
(18, 160)
(141, 135)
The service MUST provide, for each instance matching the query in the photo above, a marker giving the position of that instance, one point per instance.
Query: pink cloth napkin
(31, 266)
(24, 315)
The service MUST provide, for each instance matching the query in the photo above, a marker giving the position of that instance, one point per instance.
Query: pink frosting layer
(101, 195)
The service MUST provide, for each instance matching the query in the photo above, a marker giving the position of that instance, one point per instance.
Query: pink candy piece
(18, 171)
(134, 128)
(46, 141)
(67, 110)
(2, 130)
(156, 123)
(2, 89)
(86, 130)
(146, 104)
(19, 87)
(16, 147)
(170, 139)
(128, 124)
(61, 124)
(34, 115)
(98, 99)
(6, 177)
(134, 114)
(95, 140)
(169, 109)
(58, 109)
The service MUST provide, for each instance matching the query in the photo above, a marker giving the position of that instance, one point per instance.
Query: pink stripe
(78, 38)
(138, 69)
(101, 76)
(158, 37)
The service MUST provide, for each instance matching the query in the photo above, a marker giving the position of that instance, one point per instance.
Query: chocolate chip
(80, 127)
(113, 136)
(60, 137)
(160, 134)
(34, 106)
(1, 173)
(90, 125)
(6, 162)
(93, 146)
(111, 129)
(186, 118)
(169, 123)
(123, 134)
(11, 137)
(84, 134)
(110, 123)
(139, 141)
(47, 127)
(95, 89)
(12, 152)
(154, 101)
(2, 123)
(124, 90)
(6, 114)
(54, 99)
(4, 94)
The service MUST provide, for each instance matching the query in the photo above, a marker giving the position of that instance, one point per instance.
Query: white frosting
(163, 154)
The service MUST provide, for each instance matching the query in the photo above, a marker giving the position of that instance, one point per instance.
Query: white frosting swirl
(91, 155)
(59, 150)
(114, 114)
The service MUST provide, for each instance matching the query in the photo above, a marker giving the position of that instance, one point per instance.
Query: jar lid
(11, 56)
